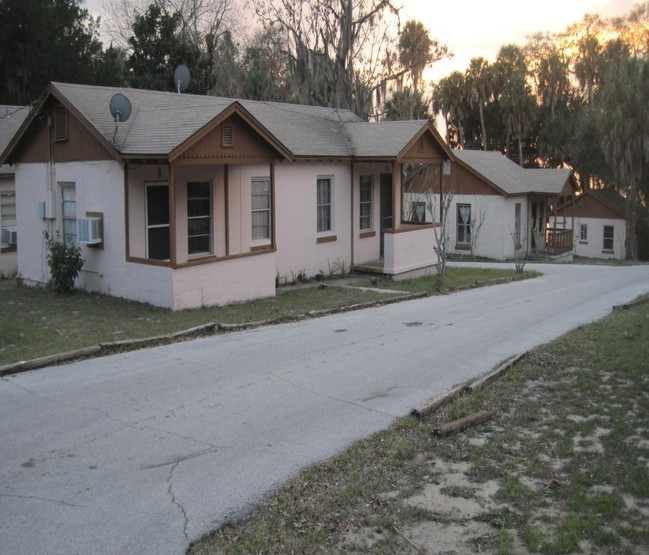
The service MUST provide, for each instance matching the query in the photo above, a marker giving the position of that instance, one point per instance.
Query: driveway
(146, 451)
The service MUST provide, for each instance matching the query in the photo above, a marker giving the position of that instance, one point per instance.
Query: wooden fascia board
(484, 179)
(86, 124)
(234, 108)
(577, 200)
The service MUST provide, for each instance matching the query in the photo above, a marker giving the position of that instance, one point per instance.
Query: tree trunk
(630, 245)
(484, 128)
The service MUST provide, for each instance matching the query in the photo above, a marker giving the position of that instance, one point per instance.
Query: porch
(558, 241)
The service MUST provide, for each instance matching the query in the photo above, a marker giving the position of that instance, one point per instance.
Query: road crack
(174, 501)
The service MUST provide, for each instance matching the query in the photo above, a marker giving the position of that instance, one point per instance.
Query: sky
(480, 27)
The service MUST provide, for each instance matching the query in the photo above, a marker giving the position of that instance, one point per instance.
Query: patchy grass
(38, 322)
(562, 468)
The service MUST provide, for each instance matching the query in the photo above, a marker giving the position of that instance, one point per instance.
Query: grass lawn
(39, 322)
(562, 467)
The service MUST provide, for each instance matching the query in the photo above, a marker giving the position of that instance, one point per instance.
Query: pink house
(196, 201)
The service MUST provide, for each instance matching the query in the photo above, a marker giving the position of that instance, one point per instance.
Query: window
(418, 211)
(261, 208)
(7, 209)
(583, 232)
(199, 217)
(366, 203)
(608, 237)
(464, 223)
(157, 221)
(324, 204)
(69, 212)
(517, 224)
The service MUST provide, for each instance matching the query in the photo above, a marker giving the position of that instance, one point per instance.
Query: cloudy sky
(480, 27)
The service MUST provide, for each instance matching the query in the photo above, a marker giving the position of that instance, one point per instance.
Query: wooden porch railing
(558, 241)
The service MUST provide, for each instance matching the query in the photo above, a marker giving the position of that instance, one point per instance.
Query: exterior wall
(300, 248)
(367, 243)
(593, 247)
(226, 281)
(408, 249)
(8, 253)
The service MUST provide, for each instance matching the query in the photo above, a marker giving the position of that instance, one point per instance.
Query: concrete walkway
(146, 451)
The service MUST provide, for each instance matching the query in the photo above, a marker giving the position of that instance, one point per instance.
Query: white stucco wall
(408, 250)
(298, 248)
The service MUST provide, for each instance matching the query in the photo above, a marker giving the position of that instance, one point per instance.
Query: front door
(386, 205)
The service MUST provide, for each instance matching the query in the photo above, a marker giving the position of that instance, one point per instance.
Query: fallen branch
(417, 547)
(504, 367)
(462, 424)
(439, 401)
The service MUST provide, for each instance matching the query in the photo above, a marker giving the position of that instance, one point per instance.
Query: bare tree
(477, 221)
(199, 18)
(519, 252)
(442, 236)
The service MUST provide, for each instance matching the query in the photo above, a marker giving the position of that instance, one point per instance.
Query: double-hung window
(366, 203)
(609, 233)
(464, 224)
(8, 210)
(69, 212)
(260, 208)
(583, 232)
(199, 217)
(325, 196)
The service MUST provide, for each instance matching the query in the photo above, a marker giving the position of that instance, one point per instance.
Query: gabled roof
(500, 172)
(11, 118)
(609, 199)
(161, 123)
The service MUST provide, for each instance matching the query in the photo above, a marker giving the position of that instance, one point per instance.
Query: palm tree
(448, 100)
(518, 109)
(586, 66)
(478, 83)
(624, 124)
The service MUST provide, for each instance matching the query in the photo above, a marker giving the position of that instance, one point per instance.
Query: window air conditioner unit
(89, 231)
(9, 235)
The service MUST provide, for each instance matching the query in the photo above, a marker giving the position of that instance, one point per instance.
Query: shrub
(65, 262)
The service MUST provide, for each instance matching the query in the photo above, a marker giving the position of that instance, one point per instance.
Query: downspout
(273, 220)
(353, 230)
(396, 194)
(127, 232)
(226, 191)
(172, 215)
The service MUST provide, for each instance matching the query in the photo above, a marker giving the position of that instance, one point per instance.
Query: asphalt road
(146, 451)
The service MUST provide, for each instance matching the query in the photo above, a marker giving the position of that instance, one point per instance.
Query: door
(386, 205)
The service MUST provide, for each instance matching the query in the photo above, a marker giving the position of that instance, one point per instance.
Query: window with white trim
(325, 197)
(69, 212)
(366, 203)
(464, 224)
(583, 232)
(7, 209)
(157, 221)
(260, 215)
(609, 235)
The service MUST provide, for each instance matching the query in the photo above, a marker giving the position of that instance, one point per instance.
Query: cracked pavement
(144, 452)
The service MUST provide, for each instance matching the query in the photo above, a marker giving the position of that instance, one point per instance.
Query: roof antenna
(120, 109)
(181, 77)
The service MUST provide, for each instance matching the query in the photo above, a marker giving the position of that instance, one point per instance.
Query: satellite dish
(120, 109)
(181, 77)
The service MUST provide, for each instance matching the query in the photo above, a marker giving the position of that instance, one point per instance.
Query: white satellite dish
(120, 109)
(181, 77)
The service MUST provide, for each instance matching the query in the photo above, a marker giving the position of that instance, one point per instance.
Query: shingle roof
(510, 177)
(385, 139)
(161, 121)
(11, 118)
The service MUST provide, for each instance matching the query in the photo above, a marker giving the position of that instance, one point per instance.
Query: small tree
(65, 262)
(477, 221)
(519, 253)
(441, 235)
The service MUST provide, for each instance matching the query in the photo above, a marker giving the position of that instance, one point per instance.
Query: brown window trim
(414, 226)
(327, 239)
(463, 247)
(583, 242)
(608, 251)
(197, 261)
(259, 248)
(367, 234)
(9, 248)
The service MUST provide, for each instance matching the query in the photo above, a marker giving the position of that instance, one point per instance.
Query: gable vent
(60, 124)
(420, 144)
(227, 135)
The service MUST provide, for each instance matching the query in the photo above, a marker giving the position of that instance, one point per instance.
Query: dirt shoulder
(562, 466)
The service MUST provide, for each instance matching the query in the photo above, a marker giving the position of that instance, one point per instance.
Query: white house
(599, 224)
(499, 208)
(195, 200)
(11, 118)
